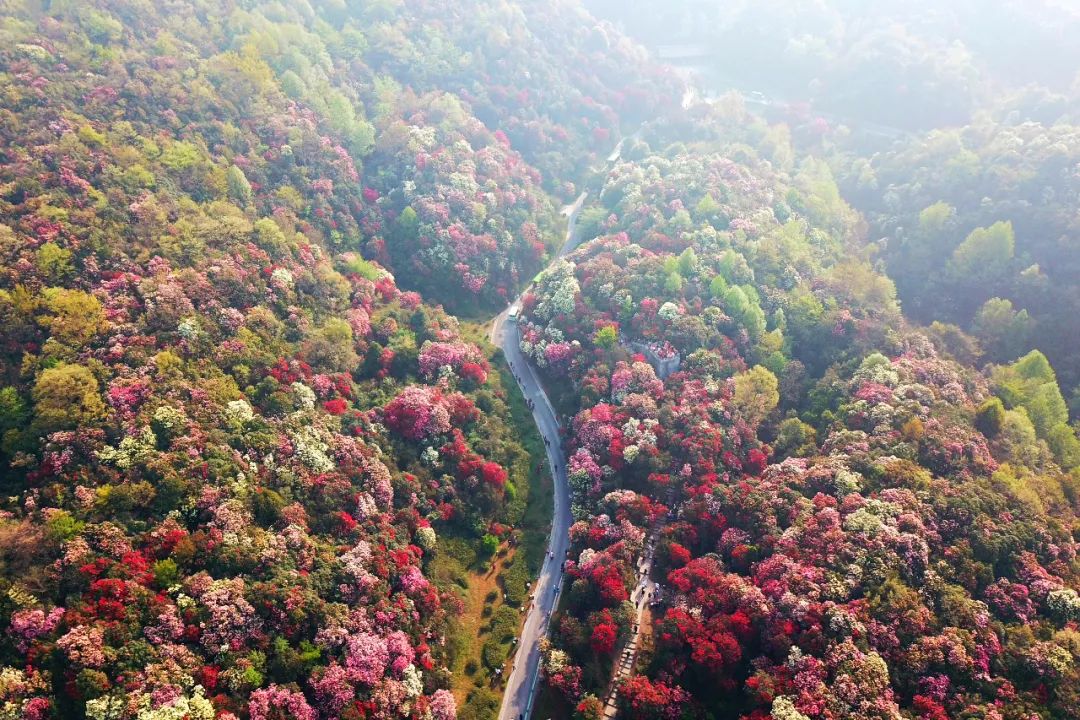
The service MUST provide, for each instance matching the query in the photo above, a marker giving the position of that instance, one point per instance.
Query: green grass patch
(515, 581)
(481, 704)
(501, 632)
(476, 331)
(481, 640)
(536, 498)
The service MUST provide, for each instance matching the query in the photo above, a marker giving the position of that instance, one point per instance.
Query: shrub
(66, 397)
(990, 417)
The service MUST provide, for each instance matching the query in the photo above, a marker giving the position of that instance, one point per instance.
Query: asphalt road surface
(524, 678)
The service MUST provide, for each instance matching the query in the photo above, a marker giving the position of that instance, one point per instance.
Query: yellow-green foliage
(73, 318)
(1031, 385)
(1040, 492)
(756, 393)
(66, 397)
(54, 262)
(985, 250)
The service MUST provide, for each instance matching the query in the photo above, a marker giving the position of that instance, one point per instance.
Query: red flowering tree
(604, 634)
(643, 699)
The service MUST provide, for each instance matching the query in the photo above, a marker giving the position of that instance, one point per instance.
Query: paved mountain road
(521, 684)
(523, 679)
(525, 676)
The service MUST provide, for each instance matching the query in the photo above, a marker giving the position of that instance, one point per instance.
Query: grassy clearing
(476, 332)
(493, 590)
(536, 515)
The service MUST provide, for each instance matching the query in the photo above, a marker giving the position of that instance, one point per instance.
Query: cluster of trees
(953, 129)
(909, 552)
(471, 222)
(348, 105)
(978, 230)
(221, 506)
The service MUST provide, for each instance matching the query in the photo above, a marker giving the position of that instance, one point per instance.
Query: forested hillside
(989, 92)
(231, 442)
(914, 65)
(859, 527)
(258, 463)
(978, 228)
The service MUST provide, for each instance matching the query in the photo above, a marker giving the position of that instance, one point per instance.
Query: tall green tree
(239, 188)
(66, 397)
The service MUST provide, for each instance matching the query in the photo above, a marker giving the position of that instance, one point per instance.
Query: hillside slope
(231, 443)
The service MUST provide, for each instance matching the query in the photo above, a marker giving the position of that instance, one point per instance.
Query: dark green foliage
(794, 438)
(266, 505)
(989, 417)
(515, 581)
(489, 544)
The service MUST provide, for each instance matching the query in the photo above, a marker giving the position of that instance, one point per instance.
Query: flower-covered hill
(902, 546)
(470, 222)
(700, 251)
(281, 106)
(226, 483)
(557, 82)
(230, 445)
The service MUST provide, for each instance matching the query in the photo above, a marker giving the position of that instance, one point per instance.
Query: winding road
(523, 679)
(522, 682)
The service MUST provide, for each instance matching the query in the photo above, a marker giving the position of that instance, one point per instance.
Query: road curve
(523, 679)
(522, 682)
